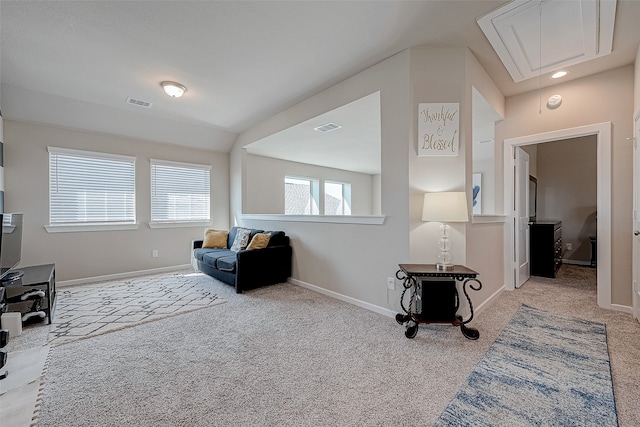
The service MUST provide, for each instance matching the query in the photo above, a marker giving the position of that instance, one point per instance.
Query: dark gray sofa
(246, 269)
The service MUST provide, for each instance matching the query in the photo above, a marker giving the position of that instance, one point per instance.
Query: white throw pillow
(242, 240)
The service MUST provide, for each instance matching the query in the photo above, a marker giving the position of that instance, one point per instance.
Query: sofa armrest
(196, 244)
(258, 267)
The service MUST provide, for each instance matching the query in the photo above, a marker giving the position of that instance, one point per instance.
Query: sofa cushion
(215, 238)
(227, 263)
(213, 255)
(241, 240)
(259, 241)
(201, 252)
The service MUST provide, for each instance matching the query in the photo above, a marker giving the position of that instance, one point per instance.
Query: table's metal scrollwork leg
(470, 333)
(409, 283)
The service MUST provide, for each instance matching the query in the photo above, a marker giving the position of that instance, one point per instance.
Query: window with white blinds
(180, 192)
(91, 188)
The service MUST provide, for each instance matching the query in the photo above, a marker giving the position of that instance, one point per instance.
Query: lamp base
(444, 267)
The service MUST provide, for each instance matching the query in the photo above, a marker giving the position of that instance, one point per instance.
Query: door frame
(602, 131)
(635, 254)
(517, 224)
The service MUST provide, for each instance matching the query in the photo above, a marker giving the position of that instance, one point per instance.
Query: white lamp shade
(445, 207)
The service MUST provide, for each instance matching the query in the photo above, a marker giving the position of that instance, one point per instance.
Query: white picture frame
(439, 129)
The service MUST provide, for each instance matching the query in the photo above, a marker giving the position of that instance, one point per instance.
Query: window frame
(100, 225)
(314, 194)
(345, 194)
(171, 223)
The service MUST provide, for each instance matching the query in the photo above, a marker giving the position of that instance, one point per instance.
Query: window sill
(179, 224)
(89, 227)
(334, 219)
(488, 219)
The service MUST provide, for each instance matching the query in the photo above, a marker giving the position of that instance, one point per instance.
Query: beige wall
(265, 184)
(90, 254)
(567, 191)
(603, 97)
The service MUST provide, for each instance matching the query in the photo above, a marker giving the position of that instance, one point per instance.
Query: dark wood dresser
(546, 247)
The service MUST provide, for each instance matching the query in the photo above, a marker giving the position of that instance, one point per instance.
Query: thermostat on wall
(554, 101)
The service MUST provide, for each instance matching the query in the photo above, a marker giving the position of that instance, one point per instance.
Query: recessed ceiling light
(173, 89)
(559, 74)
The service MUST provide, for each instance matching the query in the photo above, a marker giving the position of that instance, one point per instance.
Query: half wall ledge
(336, 219)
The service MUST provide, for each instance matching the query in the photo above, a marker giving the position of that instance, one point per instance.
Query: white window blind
(91, 188)
(180, 192)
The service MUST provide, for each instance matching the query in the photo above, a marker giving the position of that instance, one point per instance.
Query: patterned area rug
(94, 309)
(543, 370)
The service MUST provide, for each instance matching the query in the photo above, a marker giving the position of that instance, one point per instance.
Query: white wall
(350, 259)
(265, 184)
(354, 260)
(636, 85)
(485, 241)
(90, 254)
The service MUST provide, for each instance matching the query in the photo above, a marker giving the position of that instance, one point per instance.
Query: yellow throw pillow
(215, 238)
(259, 241)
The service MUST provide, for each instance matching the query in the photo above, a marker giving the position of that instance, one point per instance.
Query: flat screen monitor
(10, 245)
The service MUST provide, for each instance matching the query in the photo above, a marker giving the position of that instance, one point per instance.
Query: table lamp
(445, 207)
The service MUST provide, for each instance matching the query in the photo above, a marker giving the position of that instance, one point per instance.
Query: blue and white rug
(543, 370)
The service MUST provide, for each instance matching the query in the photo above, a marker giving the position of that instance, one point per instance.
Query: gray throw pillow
(242, 240)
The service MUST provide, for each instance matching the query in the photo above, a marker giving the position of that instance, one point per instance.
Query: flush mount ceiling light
(173, 89)
(559, 74)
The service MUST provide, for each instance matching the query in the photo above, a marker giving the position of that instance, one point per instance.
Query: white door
(636, 221)
(521, 215)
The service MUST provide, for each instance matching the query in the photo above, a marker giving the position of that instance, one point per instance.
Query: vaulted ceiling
(241, 61)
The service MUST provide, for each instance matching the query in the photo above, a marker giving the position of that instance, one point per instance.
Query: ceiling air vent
(328, 127)
(139, 103)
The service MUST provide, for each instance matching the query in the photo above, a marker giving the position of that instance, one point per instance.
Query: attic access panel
(572, 32)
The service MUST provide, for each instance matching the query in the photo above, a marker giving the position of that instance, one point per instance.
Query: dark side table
(34, 293)
(434, 297)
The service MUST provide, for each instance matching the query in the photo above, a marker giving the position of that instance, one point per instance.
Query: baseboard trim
(576, 262)
(488, 301)
(84, 281)
(368, 306)
(622, 308)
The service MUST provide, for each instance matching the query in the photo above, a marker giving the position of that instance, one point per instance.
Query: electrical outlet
(154, 253)
(391, 283)
(569, 246)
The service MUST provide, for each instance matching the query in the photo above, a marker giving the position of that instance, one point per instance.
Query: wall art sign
(438, 129)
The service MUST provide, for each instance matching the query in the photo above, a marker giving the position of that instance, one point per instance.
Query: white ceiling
(355, 146)
(533, 37)
(242, 62)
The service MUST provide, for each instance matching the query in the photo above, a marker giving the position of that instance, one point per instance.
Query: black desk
(434, 297)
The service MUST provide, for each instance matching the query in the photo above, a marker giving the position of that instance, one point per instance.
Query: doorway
(602, 131)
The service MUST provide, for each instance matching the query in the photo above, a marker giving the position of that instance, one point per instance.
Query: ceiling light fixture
(173, 89)
(559, 74)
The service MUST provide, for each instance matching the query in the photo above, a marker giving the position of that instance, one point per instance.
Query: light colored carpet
(558, 365)
(286, 356)
(87, 311)
(98, 308)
